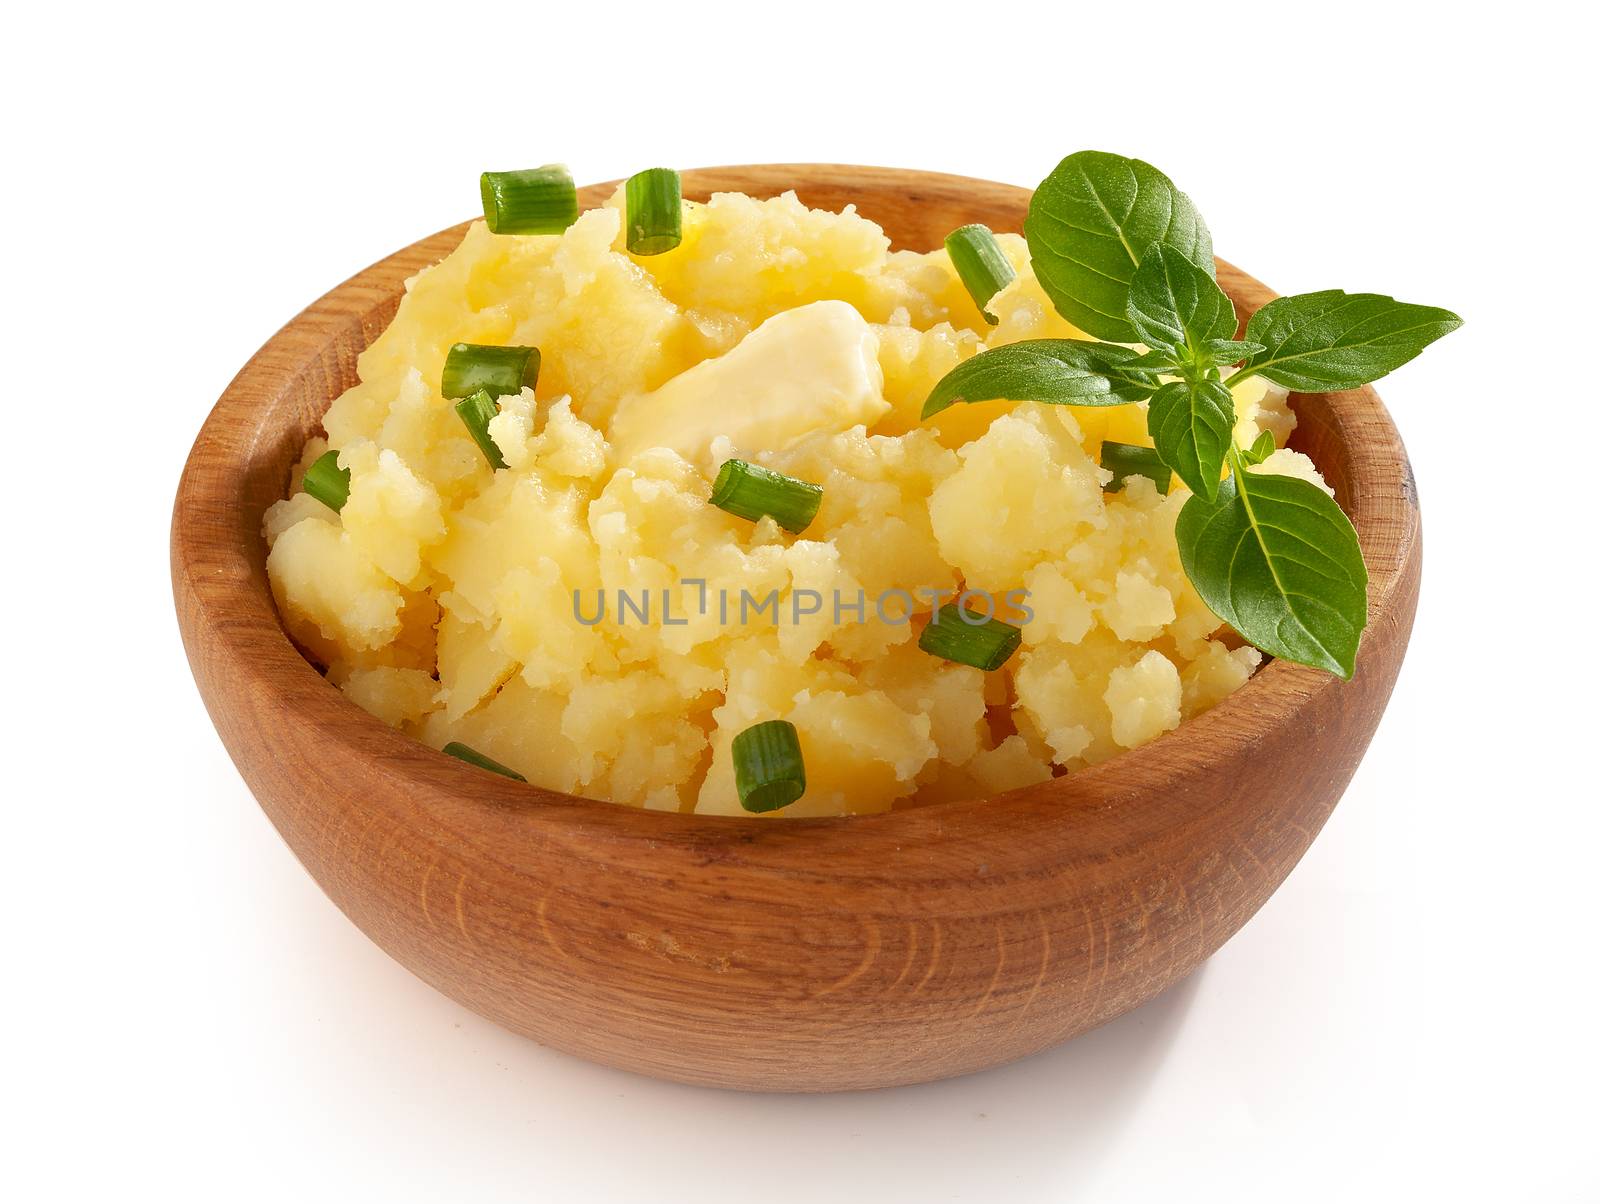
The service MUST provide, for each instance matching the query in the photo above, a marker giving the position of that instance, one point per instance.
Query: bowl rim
(229, 615)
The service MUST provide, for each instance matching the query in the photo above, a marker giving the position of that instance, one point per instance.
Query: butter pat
(806, 370)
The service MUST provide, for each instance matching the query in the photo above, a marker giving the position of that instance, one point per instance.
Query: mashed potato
(459, 603)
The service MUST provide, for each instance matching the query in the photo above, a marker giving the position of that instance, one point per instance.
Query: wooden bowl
(804, 955)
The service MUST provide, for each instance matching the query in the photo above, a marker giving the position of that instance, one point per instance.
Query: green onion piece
(655, 211)
(327, 482)
(767, 766)
(1129, 460)
(751, 491)
(542, 200)
(968, 639)
(501, 370)
(981, 264)
(473, 757)
(476, 411)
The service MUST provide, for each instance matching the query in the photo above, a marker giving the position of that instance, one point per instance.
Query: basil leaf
(1322, 342)
(1172, 303)
(1089, 225)
(1221, 352)
(1054, 371)
(1275, 557)
(1258, 451)
(1157, 361)
(1192, 426)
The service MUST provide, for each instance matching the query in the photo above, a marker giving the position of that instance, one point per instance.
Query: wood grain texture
(802, 955)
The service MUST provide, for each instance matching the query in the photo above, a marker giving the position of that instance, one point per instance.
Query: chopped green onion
(767, 767)
(542, 200)
(501, 370)
(655, 211)
(327, 482)
(1130, 460)
(473, 757)
(981, 264)
(476, 411)
(958, 635)
(752, 492)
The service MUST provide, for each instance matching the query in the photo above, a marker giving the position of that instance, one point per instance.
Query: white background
(1411, 1016)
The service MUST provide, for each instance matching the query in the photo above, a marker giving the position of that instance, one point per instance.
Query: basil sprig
(1280, 562)
(1125, 257)
(1332, 340)
(1191, 424)
(1089, 225)
(1174, 305)
(1057, 371)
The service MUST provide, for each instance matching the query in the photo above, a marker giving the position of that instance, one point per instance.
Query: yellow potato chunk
(1023, 490)
(521, 728)
(751, 259)
(1145, 699)
(391, 515)
(1214, 674)
(472, 665)
(400, 697)
(326, 586)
